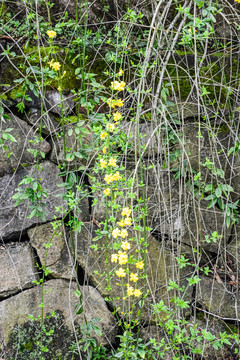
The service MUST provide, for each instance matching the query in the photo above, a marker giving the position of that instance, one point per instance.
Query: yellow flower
(55, 65)
(121, 272)
(122, 258)
(116, 85)
(116, 176)
(103, 135)
(119, 102)
(124, 234)
(121, 223)
(114, 258)
(140, 264)
(116, 233)
(125, 245)
(112, 103)
(104, 150)
(130, 290)
(137, 293)
(51, 34)
(192, 30)
(51, 63)
(112, 162)
(133, 277)
(108, 178)
(107, 192)
(128, 221)
(59, 88)
(117, 116)
(126, 211)
(121, 72)
(110, 127)
(103, 163)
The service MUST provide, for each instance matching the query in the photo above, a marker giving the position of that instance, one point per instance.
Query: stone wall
(204, 139)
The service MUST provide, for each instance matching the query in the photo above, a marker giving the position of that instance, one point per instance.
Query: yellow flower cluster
(119, 86)
(134, 277)
(107, 192)
(140, 265)
(103, 135)
(110, 127)
(126, 212)
(121, 272)
(112, 177)
(121, 257)
(51, 34)
(54, 64)
(119, 233)
(238, 1)
(112, 103)
(125, 245)
(125, 222)
(103, 163)
(117, 116)
(112, 162)
(131, 291)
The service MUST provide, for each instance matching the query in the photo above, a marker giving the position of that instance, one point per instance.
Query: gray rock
(150, 138)
(224, 32)
(58, 296)
(52, 102)
(14, 220)
(19, 154)
(58, 259)
(231, 256)
(17, 271)
(49, 125)
(212, 143)
(184, 109)
(218, 299)
(81, 146)
(203, 222)
(58, 105)
(213, 326)
(166, 204)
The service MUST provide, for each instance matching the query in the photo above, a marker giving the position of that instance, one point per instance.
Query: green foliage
(5, 135)
(30, 342)
(31, 190)
(131, 44)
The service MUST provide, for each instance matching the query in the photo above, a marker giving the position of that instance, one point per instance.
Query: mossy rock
(25, 339)
(46, 54)
(215, 75)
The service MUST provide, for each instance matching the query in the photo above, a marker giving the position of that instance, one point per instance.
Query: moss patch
(214, 76)
(24, 340)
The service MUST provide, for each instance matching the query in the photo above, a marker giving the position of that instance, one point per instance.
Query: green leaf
(209, 187)
(119, 355)
(218, 192)
(70, 132)
(7, 136)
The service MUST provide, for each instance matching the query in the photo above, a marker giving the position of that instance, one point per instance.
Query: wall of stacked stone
(181, 222)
